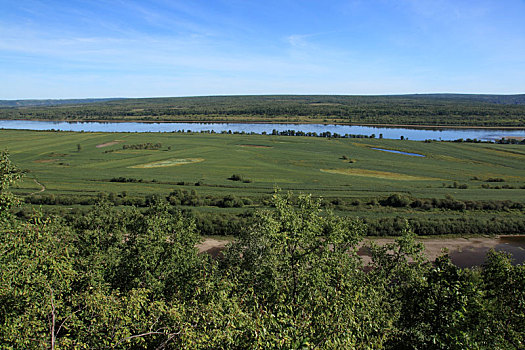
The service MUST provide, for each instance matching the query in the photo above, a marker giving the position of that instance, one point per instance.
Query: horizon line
(262, 95)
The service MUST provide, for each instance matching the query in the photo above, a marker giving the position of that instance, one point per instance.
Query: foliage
(505, 298)
(446, 109)
(147, 145)
(9, 174)
(443, 309)
(130, 279)
(303, 273)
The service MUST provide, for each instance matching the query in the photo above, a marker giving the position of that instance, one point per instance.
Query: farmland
(230, 174)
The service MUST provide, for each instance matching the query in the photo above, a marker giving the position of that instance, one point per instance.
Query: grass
(302, 164)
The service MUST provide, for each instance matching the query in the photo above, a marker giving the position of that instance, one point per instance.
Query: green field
(342, 168)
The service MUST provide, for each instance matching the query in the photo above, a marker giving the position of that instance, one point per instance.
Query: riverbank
(464, 252)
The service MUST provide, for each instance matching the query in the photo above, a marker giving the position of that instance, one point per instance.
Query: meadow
(86, 163)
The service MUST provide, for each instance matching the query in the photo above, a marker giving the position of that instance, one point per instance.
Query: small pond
(398, 152)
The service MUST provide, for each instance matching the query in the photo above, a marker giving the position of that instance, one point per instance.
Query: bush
(235, 177)
(396, 200)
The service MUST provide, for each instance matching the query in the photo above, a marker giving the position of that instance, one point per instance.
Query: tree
(442, 309)
(9, 174)
(36, 274)
(299, 272)
(159, 253)
(504, 286)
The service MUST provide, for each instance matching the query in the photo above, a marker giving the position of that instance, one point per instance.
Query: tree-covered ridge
(50, 102)
(437, 109)
(294, 279)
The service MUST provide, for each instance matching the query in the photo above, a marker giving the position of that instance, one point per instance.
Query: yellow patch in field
(168, 162)
(377, 174)
(449, 158)
(256, 146)
(507, 153)
(363, 145)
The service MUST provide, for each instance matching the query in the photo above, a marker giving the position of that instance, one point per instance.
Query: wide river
(418, 134)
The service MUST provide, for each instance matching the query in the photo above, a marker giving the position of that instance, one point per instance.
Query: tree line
(228, 224)
(409, 109)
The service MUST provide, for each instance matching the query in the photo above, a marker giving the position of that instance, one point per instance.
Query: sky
(153, 48)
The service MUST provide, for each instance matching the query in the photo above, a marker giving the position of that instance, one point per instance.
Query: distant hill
(43, 103)
(497, 99)
(413, 109)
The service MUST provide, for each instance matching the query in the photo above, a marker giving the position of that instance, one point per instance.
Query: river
(417, 134)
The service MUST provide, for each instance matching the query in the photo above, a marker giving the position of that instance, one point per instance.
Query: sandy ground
(434, 246)
(464, 252)
(212, 246)
(108, 144)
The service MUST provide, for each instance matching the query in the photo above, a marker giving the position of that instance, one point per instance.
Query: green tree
(9, 174)
(443, 309)
(504, 286)
(159, 253)
(302, 279)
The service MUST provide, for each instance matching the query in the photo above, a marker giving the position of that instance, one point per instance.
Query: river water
(475, 254)
(463, 252)
(417, 134)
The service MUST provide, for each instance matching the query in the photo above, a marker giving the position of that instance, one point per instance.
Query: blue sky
(112, 48)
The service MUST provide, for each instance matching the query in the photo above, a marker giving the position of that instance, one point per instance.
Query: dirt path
(39, 191)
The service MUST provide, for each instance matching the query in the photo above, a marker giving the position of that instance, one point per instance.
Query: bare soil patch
(109, 143)
(168, 162)
(212, 246)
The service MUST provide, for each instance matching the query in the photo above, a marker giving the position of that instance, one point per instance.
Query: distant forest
(418, 110)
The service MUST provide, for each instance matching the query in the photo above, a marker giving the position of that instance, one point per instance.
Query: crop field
(89, 163)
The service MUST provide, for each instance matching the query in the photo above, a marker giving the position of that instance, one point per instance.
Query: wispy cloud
(131, 47)
(298, 40)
